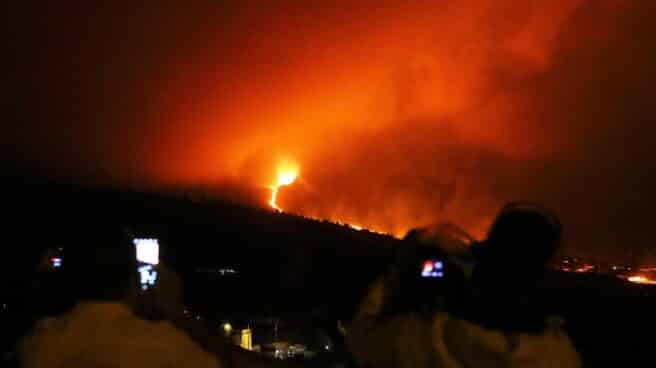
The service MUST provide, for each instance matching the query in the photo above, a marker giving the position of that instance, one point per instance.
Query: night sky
(398, 114)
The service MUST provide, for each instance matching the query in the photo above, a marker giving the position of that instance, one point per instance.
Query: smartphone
(432, 268)
(147, 251)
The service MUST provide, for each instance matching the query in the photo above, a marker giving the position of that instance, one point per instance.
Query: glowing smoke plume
(401, 114)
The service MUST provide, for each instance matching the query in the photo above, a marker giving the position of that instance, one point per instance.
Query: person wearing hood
(102, 330)
(492, 323)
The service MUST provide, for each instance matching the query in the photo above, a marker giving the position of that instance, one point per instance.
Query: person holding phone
(158, 294)
(495, 324)
(102, 329)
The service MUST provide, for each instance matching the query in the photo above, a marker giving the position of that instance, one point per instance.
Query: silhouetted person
(509, 264)
(393, 326)
(502, 325)
(102, 330)
(498, 326)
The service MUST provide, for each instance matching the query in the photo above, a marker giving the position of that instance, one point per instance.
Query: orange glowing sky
(397, 114)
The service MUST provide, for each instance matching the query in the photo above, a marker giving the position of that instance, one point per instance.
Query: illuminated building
(246, 339)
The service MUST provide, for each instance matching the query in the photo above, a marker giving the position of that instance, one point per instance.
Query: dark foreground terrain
(302, 270)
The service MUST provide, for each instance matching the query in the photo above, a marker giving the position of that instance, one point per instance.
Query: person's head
(445, 236)
(521, 241)
(100, 263)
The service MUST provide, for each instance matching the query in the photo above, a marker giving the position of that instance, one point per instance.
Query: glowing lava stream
(285, 177)
(641, 280)
(287, 174)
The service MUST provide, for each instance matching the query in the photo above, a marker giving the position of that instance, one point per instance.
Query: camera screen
(147, 250)
(56, 262)
(432, 268)
(147, 257)
(147, 276)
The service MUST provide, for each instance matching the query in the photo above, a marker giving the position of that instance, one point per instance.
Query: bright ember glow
(287, 174)
(641, 280)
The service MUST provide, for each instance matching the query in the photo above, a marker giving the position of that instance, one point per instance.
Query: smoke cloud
(398, 115)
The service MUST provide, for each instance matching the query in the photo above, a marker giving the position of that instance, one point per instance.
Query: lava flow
(286, 176)
(638, 279)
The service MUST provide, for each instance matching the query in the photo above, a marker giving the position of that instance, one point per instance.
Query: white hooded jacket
(103, 334)
(443, 341)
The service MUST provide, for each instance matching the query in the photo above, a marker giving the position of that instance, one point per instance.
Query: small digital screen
(56, 262)
(147, 250)
(147, 276)
(432, 268)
